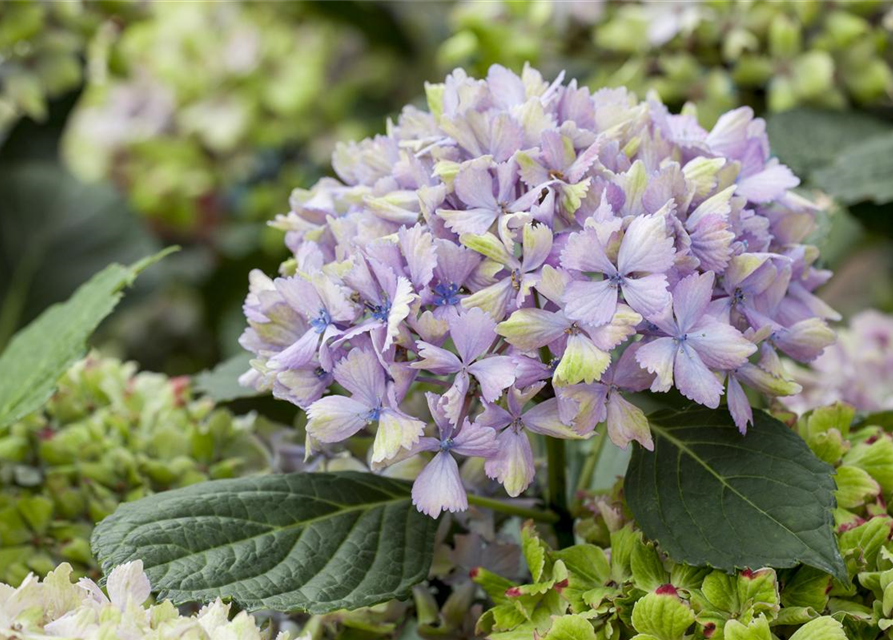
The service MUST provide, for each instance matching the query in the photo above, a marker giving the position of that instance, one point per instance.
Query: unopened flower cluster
(109, 434)
(56, 607)
(528, 253)
(858, 369)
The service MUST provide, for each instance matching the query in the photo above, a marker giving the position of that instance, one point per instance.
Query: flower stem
(557, 475)
(513, 509)
(588, 470)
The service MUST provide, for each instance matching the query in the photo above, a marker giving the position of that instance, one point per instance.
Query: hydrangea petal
(512, 466)
(439, 487)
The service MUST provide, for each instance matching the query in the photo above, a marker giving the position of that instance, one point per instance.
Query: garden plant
(554, 355)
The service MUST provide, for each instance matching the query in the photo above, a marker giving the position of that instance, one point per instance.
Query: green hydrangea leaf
(710, 496)
(807, 588)
(876, 459)
(807, 139)
(534, 551)
(824, 628)
(855, 486)
(861, 173)
(573, 627)
(222, 382)
(756, 629)
(648, 570)
(662, 614)
(42, 352)
(312, 542)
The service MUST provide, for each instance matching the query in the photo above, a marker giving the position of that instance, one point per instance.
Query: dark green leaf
(222, 382)
(861, 173)
(56, 232)
(807, 139)
(312, 542)
(710, 496)
(38, 355)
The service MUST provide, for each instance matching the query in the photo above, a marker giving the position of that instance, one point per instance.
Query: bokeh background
(129, 125)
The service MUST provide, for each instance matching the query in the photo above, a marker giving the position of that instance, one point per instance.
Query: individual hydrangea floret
(527, 253)
(56, 607)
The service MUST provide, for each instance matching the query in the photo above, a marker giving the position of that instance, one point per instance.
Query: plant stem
(513, 509)
(588, 470)
(557, 475)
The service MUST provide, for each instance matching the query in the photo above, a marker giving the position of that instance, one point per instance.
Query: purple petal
(694, 380)
(436, 360)
(299, 354)
(628, 374)
(626, 422)
(435, 407)
(475, 440)
(591, 302)
(544, 418)
(513, 463)
(769, 184)
(300, 295)
(537, 243)
(420, 254)
(506, 87)
(473, 331)
(657, 357)
(454, 398)
(646, 246)
(474, 186)
(690, 299)
(805, 340)
(454, 262)
(584, 252)
(361, 374)
(582, 405)
(739, 405)
(439, 487)
(647, 295)
(711, 243)
(494, 417)
(336, 418)
(494, 374)
(720, 345)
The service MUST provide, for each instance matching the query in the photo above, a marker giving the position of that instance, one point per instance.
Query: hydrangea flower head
(525, 253)
(56, 607)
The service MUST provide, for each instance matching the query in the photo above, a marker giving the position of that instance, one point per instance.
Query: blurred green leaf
(38, 355)
(222, 382)
(861, 173)
(55, 232)
(808, 139)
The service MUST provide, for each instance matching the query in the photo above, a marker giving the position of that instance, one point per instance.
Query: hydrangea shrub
(108, 435)
(526, 255)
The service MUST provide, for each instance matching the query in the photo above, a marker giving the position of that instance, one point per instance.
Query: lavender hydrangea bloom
(533, 252)
(857, 370)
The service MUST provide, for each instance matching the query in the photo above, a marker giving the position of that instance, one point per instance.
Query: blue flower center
(319, 372)
(373, 415)
(446, 444)
(380, 311)
(680, 340)
(616, 280)
(320, 322)
(738, 297)
(446, 294)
